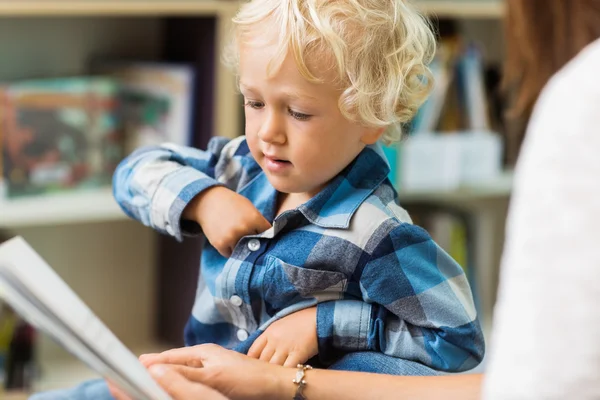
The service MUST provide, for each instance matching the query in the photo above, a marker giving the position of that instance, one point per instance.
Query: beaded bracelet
(299, 380)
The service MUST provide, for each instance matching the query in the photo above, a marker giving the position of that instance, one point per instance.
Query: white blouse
(546, 338)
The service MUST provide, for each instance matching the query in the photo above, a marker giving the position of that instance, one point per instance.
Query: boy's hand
(290, 341)
(225, 217)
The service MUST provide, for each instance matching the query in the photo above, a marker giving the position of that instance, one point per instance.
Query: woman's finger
(180, 388)
(146, 359)
(198, 375)
(257, 347)
(117, 393)
(190, 356)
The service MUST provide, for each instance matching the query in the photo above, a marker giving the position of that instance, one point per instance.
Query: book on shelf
(34, 290)
(460, 94)
(453, 140)
(59, 134)
(156, 101)
(2, 128)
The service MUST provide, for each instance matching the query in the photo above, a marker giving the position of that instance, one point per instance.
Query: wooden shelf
(76, 207)
(500, 187)
(487, 9)
(99, 205)
(49, 8)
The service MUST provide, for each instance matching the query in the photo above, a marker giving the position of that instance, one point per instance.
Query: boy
(309, 253)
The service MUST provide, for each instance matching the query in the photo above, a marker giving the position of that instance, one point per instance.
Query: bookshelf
(44, 8)
(115, 8)
(69, 208)
(99, 205)
(482, 9)
(497, 188)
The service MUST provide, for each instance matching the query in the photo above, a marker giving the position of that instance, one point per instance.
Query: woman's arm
(240, 377)
(326, 385)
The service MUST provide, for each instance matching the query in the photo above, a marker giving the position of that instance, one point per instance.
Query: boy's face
(294, 127)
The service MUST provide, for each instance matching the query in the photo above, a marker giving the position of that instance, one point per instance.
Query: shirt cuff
(342, 327)
(174, 194)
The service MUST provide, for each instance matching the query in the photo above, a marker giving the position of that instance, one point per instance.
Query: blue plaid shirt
(379, 282)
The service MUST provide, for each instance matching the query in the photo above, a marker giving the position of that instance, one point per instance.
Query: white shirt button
(242, 335)
(236, 300)
(254, 244)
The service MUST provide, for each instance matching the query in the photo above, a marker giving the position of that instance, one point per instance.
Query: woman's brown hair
(541, 37)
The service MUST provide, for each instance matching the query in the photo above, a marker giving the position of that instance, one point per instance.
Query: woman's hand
(175, 384)
(234, 375)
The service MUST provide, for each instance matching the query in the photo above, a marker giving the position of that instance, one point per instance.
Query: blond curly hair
(380, 50)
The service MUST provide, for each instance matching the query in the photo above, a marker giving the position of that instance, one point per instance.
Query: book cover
(156, 101)
(3, 106)
(60, 134)
(8, 322)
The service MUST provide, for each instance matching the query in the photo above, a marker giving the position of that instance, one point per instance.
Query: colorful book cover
(391, 154)
(156, 101)
(60, 134)
(3, 106)
(7, 327)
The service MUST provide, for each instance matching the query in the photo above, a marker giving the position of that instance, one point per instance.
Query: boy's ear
(372, 135)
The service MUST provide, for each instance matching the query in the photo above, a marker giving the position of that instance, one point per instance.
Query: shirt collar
(335, 205)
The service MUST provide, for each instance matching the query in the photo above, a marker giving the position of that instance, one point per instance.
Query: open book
(38, 294)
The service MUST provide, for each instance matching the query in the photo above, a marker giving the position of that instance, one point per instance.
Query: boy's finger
(257, 347)
(225, 251)
(264, 224)
(267, 353)
(279, 358)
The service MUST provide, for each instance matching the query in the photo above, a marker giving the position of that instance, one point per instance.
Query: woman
(546, 327)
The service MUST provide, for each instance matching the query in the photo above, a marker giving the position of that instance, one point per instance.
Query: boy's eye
(299, 116)
(254, 104)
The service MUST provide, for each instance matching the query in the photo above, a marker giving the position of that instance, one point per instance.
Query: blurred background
(83, 82)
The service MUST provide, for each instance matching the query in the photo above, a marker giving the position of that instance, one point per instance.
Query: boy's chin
(296, 190)
(283, 186)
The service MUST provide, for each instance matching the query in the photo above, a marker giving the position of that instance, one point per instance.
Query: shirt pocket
(286, 284)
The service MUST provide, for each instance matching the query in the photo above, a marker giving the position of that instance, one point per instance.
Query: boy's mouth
(275, 164)
(275, 159)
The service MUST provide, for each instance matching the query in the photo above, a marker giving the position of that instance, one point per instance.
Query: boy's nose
(272, 130)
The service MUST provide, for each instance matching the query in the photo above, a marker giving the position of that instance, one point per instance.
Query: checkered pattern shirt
(379, 282)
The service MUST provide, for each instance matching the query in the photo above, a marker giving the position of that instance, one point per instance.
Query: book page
(36, 292)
